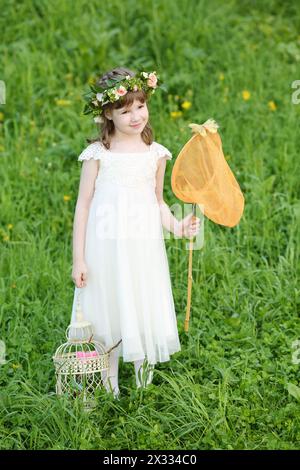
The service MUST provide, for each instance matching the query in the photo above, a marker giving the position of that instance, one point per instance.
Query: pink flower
(121, 91)
(152, 80)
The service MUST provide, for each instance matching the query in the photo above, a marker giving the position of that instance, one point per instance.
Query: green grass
(234, 383)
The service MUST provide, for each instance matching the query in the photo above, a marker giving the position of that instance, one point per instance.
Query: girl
(119, 256)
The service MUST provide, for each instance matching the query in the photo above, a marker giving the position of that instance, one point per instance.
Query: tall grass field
(235, 384)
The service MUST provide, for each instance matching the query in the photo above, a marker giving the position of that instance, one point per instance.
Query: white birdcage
(80, 361)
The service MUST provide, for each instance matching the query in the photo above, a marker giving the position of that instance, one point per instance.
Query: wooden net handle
(190, 278)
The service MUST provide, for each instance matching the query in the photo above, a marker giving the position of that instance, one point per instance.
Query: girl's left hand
(190, 226)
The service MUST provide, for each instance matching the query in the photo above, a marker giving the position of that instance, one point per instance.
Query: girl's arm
(183, 228)
(168, 220)
(88, 176)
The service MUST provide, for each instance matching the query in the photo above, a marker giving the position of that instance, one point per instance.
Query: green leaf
(96, 88)
(268, 183)
(87, 109)
(234, 320)
(114, 81)
(294, 390)
(87, 97)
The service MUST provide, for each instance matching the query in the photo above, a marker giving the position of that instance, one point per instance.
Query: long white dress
(128, 293)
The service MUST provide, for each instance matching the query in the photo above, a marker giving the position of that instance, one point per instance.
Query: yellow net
(201, 175)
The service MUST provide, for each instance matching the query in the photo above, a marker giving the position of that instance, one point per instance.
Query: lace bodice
(127, 169)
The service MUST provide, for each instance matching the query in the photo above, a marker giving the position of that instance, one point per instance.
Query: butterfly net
(201, 175)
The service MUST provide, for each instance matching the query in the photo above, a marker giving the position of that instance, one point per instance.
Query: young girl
(119, 256)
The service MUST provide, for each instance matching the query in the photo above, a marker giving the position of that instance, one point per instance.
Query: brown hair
(107, 127)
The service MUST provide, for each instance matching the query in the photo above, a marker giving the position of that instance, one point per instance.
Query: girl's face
(131, 120)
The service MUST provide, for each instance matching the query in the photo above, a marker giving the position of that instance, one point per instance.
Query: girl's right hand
(79, 274)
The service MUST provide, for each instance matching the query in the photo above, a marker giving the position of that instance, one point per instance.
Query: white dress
(128, 293)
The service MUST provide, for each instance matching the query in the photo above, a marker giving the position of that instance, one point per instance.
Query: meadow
(235, 382)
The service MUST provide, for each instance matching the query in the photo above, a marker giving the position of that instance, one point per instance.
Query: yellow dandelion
(186, 105)
(176, 114)
(221, 76)
(246, 95)
(63, 102)
(272, 106)
(9, 226)
(67, 197)
(16, 366)
(1, 117)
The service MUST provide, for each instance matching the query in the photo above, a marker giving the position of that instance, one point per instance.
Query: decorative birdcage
(80, 361)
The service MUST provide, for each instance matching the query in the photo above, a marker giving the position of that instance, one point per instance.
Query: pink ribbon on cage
(86, 354)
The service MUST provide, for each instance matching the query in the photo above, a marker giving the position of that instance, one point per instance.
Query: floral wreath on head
(118, 87)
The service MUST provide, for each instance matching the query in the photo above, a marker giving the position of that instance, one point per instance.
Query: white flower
(99, 96)
(145, 74)
(127, 77)
(95, 102)
(98, 119)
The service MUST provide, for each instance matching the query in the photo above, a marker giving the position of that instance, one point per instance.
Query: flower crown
(118, 87)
